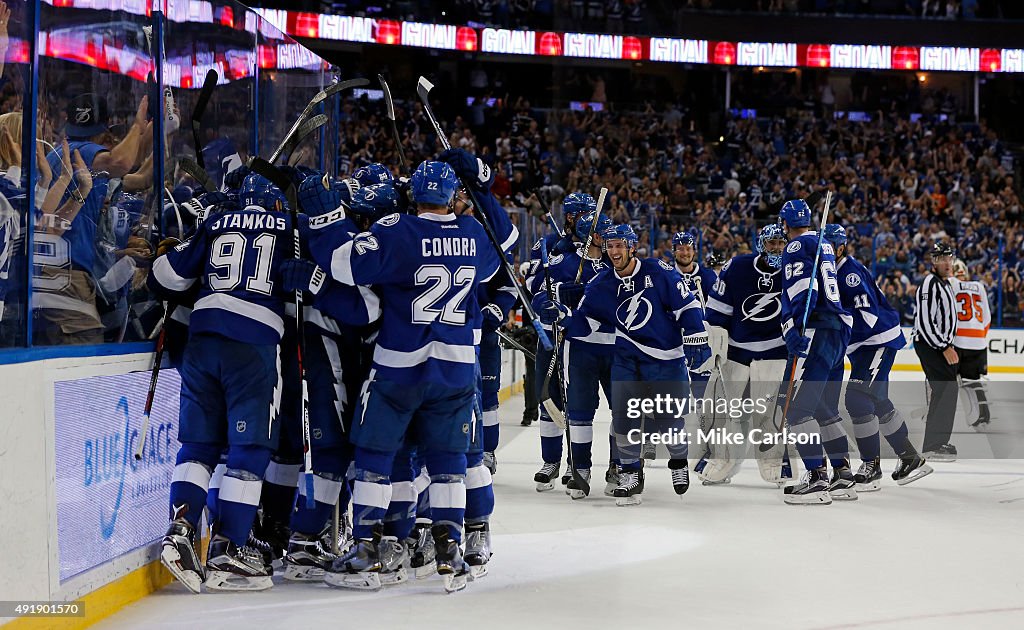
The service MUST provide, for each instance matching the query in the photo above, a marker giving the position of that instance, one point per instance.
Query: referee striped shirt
(935, 322)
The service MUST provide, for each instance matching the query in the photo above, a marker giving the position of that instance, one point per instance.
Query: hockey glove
(796, 343)
(548, 311)
(302, 275)
(718, 340)
(570, 293)
(697, 351)
(492, 317)
(470, 169)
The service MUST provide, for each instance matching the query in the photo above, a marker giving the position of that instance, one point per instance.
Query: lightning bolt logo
(636, 307)
(762, 307)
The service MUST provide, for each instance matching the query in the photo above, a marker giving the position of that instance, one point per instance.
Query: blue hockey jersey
(650, 309)
(746, 300)
(547, 241)
(235, 257)
(699, 281)
(875, 322)
(563, 269)
(427, 270)
(797, 263)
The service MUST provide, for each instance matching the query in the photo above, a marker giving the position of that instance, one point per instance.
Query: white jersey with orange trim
(973, 315)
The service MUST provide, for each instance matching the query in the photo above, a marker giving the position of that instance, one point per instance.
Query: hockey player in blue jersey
(427, 268)
(684, 252)
(573, 206)
(230, 382)
(818, 352)
(562, 271)
(744, 325)
(875, 338)
(655, 317)
(335, 329)
(371, 174)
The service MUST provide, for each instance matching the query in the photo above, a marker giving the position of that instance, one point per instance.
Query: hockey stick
(318, 98)
(303, 132)
(556, 414)
(197, 172)
(389, 106)
(197, 116)
(423, 90)
(554, 226)
(279, 179)
(516, 345)
(791, 380)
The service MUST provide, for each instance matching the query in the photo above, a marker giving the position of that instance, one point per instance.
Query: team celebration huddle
(340, 378)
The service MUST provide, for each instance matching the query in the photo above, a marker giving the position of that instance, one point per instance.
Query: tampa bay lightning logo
(793, 247)
(762, 307)
(635, 312)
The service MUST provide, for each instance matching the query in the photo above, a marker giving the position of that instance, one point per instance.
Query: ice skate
(680, 476)
(394, 557)
(178, 552)
(811, 490)
(450, 564)
(478, 547)
(945, 454)
(308, 558)
(912, 467)
(358, 569)
(271, 537)
(572, 489)
(545, 477)
(421, 551)
(233, 568)
(630, 488)
(843, 484)
(611, 480)
(869, 476)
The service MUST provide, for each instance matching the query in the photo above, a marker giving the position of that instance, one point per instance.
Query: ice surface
(946, 551)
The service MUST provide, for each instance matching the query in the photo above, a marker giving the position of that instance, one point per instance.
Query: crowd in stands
(899, 185)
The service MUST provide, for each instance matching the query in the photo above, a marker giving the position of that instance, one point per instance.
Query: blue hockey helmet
(835, 234)
(770, 232)
(684, 238)
(434, 183)
(371, 174)
(319, 195)
(796, 213)
(375, 201)
(584, 223)
(257, 190)
(620, 232)
(577, 203)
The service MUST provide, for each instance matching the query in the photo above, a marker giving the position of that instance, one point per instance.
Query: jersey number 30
(435, 303)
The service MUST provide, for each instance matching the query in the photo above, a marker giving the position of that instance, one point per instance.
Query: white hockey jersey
(973, 315)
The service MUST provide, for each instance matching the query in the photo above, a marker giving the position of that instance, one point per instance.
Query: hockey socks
(834, 439)
(581, 431)
(278, 494)
(240, 491)
(550, 440)
(191, 479)
(491, 430)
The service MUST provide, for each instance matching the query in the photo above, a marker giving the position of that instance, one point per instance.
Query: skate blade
(453, 582)
(871, 486)
(576, 495)
(636, 499)
(354, 581)
(170, 558)
(609, 489)
(478, 571)
(718, 482)
(545, 486)
(425, 571)
(942, 459)
(848, 494)
(300, 573)
(225, 581)
(817, 498)
(923, 471)
(391, 578)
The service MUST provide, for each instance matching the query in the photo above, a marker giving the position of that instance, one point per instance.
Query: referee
(934, 331)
